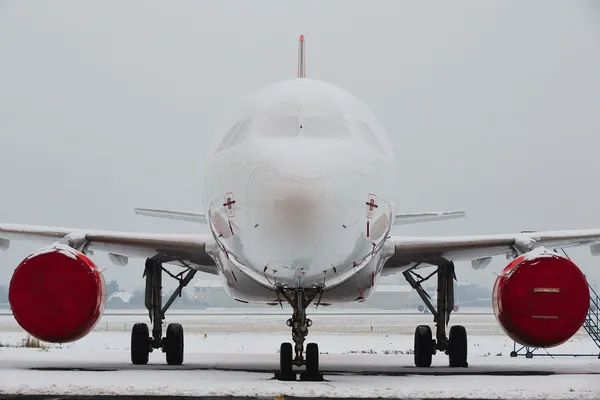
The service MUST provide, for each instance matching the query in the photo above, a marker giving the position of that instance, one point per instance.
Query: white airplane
(300, 198)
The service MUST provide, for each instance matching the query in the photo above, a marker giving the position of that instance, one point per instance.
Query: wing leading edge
(415, 218)
(170, 214)
(185, 250)
(410, 251)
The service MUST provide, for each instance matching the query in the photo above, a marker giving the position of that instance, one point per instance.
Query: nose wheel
(312, 360)
(290, 356)
(287, 362)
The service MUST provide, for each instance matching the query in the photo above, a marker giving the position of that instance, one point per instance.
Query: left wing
(184, 250)
(412, 251)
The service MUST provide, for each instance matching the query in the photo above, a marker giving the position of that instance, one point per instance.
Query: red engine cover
(57, 294)
(541, 299)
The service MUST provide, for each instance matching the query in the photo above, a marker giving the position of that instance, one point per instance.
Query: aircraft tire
(140, 344)
(423, 351)
(173, 344)
(457, 347)
(312, 359)
(285, 359)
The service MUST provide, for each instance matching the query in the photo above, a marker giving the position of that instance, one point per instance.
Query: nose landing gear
(299, 299)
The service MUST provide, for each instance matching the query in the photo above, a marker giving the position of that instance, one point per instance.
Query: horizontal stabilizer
(176, 215)
(415, 218)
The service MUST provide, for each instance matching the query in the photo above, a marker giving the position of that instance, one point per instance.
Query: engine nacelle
(57, 294)
(541, 299)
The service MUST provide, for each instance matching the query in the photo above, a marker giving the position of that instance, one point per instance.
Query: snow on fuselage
(301, 192)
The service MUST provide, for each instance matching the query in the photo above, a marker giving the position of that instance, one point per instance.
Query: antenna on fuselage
(301, 58)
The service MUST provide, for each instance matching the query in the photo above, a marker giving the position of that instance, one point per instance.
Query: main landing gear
(455, 345)
(299, 299)
(142, 343)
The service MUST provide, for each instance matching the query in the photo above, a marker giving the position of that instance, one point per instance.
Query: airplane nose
(295, 213)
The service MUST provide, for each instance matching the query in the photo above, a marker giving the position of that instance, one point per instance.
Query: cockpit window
(278, 126)
(318, 126)
(332, 126)
(367, 134)
(238, 132)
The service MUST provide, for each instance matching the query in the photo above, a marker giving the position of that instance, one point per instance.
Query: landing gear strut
(299, 299)
(455, 345)
(142, 343)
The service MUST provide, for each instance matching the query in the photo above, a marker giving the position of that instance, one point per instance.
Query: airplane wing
(415, 218)
(183, 250)
(415, 251)
(168, 214)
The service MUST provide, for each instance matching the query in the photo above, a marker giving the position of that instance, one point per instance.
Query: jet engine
(57, 294)
(541, 299)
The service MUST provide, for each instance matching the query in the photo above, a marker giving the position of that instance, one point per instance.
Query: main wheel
(312, 359)
(423, 346)
(285, 359)
(457, 346)
(173, 344)
(140, 344)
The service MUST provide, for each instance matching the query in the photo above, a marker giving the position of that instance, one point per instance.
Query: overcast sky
(493, 107)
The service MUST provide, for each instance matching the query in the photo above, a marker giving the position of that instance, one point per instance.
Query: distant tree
(112, 287)
(137, 298)
(3, 294)
(116, 302)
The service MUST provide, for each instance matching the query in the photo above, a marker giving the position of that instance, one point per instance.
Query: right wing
(183, 250)
(415, 218)
(168, 214)
(416, 251)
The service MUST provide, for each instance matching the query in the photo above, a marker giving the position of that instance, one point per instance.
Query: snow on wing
(179, 249)
(410, 251)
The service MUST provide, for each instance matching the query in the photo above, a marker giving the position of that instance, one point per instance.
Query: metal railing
(592, 321)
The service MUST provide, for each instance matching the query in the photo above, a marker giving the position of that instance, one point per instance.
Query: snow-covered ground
(356, 344)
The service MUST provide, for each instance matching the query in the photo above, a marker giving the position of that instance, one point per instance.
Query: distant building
(123, 296)
(119, 300)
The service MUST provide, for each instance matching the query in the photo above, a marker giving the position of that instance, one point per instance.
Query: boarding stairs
(592, 321)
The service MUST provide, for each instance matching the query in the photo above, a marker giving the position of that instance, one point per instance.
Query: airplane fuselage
(300, 192)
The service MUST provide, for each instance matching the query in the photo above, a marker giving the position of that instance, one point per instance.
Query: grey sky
(492, 106)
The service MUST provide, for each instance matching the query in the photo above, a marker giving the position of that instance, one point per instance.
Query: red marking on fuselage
(229, 202)
(372, 279)
(371, 204)
(368, 230)
(231, 228)
(360, 295)
(233, 274)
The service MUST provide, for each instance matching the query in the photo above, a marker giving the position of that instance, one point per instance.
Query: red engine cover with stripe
(541, 299)
(57, 294)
